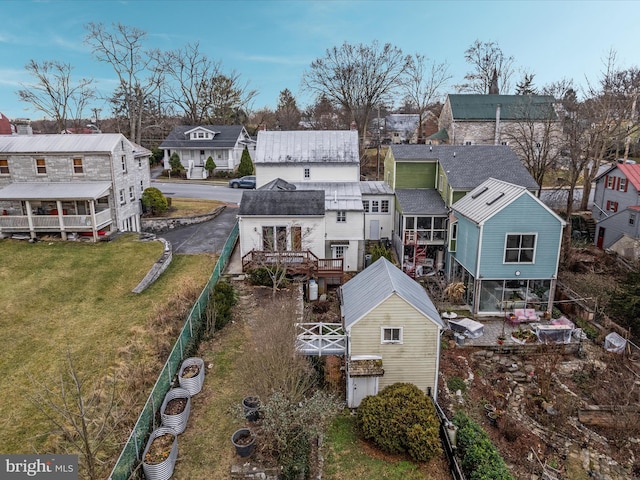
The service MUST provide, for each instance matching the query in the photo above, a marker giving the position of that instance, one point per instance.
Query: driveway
(206, 237)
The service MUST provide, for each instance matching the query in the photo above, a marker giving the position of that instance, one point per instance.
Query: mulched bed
(160, 449)
(175, 406)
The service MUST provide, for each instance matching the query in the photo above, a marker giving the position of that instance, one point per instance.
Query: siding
(414, 361)
(294, 172)
(251, 232)
(467, 244)
(524, 215)
(415, 175)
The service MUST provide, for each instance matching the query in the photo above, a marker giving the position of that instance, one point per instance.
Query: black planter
(251, 407)
(244, 441)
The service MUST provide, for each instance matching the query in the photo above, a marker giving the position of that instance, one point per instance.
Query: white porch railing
(52, 222)
(321, 339)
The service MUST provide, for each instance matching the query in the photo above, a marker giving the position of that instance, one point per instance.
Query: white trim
(400, 340)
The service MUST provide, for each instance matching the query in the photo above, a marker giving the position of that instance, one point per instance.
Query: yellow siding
(413, 361)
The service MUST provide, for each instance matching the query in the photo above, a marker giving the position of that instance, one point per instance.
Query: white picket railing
(321, 339)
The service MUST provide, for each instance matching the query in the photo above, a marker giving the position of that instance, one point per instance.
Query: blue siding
(467, 244)
(524, 215)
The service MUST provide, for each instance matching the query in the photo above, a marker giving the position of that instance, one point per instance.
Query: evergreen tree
(175, 163)
(246, 165)
(210, 165)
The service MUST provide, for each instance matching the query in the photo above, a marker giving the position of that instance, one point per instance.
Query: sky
(270, 43)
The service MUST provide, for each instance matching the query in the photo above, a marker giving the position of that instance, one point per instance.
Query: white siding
(294, 172)
(312, 232)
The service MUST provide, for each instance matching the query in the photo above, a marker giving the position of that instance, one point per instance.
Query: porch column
(94, 227)
(552, 295)
(63, 233)
(32, 230)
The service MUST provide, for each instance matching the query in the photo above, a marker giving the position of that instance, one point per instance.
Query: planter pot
(244, 441)
(160, 467)
(187, 376)
(493, 418)
(177, 421)
(251, 407)
(489, 408)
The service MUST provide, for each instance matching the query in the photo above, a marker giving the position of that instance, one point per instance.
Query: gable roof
(55, 143)
(630, 171)
(467, 166)
(307, 146)
(489, 198)
(512, 107)
(359, 296)
(282, 203)
(226, 137)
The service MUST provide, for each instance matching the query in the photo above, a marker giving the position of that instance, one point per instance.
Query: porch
(302, 262)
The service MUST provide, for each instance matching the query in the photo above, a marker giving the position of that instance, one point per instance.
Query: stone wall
(164, 224)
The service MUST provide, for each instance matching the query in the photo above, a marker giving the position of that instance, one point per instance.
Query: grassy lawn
(59, 296)
(187, 207)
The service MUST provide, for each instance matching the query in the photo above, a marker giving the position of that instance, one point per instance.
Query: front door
(374, 230)
(600, 237)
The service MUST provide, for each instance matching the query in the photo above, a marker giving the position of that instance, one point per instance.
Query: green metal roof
(439, 135)
(512, 107)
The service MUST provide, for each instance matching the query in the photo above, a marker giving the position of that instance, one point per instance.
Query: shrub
(480, 458)
(246, 165)
(262, 276)
(176, 165)
(223, 299)
(154, 201)
(456, 383)
(210, 165)
(378, 251)
(401, 418)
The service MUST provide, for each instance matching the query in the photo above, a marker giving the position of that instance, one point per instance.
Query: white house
(61, 184)
(195, 144)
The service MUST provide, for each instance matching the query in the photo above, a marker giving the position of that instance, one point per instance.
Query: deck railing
(52, 222)
(321, 339)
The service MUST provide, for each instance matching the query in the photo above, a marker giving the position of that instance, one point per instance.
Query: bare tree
(189, 75)
(86, 414)
(54, 94)
(423, 83)
(288, 113)
(358, 78)
(229, 99)
(123, 48)
(485, 58)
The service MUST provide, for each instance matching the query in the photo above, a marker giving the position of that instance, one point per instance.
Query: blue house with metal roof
(505, 247)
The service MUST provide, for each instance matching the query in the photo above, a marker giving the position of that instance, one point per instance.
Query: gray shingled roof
(376, 283)
(227, 136)
(478, 107)
(467, 166)
(282, 203)
(421, 201)
(307, 146)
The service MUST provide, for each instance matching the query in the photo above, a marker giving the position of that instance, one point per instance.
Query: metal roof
(467, 166)
(227, 136)
(97, 142)
(489, 198)
(421, 201)
(375, 284)
(307, 146)
(282, 203)
(512, 107)
(375, 188)
(338, 195)
(55, 191)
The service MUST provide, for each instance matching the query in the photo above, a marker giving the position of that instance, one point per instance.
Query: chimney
(496, 140)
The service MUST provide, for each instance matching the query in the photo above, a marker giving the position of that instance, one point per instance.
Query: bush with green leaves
(210, 165)
(263, 276)
(378, 251)
(224, 298)
(154, 201)
(479, 457)
(401, 419)
(176, 164)
(246, 165)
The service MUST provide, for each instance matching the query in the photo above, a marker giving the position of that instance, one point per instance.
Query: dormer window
(200, 134)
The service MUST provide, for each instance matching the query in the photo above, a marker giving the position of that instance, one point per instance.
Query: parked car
(248, 181)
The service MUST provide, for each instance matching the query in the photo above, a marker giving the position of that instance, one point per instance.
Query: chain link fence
(187, 342)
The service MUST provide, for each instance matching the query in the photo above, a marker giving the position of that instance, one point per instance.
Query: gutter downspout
(496, 140)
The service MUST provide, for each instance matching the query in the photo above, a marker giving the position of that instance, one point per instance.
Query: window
(139, 162)
(41, 166)
(453, 238)
(341, 216)
(391, 335)
(339, 251)
(538, 145)
(384, 206)
(504, 143)
(467, 143)
(375, 206)
(520, 248)
(122, 199)
(123, 161)
(307, 173)
(132, 193)
(4, 166)
(610, 183)
(78, 167)
(612, 206)
(274, 239)
(632, 219)
(141, 187)
(200, 134)
(623, 185)
(365, 205)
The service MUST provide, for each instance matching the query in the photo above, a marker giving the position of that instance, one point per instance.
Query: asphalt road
(196, 190)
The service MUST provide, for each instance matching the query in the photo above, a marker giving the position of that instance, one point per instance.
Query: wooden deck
(296, 262)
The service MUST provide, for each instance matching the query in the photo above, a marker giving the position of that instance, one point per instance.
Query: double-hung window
(78, 167)
(520, 248)
(384, 206)
(123, 200)
(123, 162)
(341, 216)
(375, 206)
(41, 166)
(365, 206)
(4, 166)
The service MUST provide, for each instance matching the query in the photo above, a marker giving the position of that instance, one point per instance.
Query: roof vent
(477, 194)
(491, 202)
(454, 154)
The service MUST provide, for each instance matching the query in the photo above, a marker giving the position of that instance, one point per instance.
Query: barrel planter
(160, 454)
(251, 408)
(177, 420)
(244, 441)
(191, 375)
